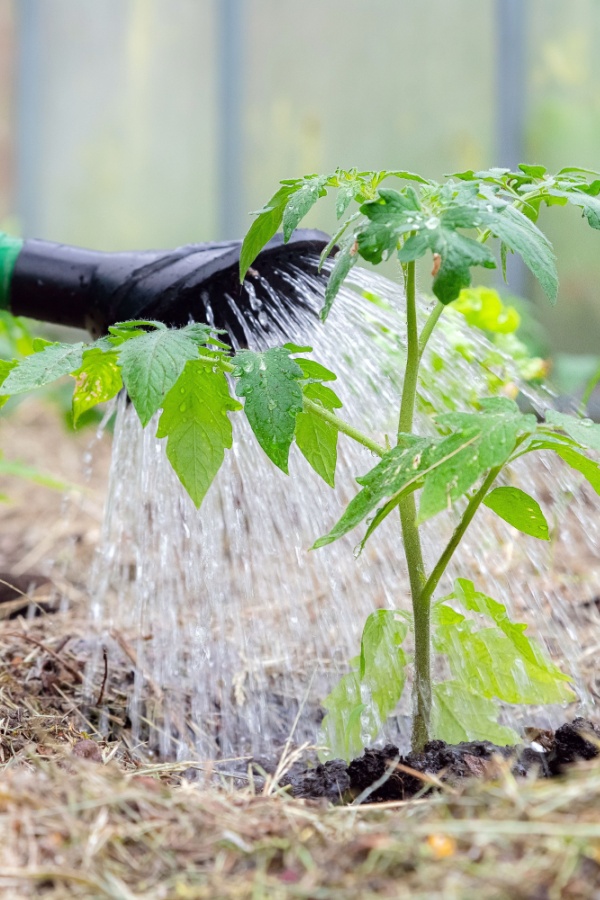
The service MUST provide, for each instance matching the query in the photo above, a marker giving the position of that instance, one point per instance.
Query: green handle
(10, 248)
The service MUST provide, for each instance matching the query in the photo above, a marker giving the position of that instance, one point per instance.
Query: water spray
(88, 289)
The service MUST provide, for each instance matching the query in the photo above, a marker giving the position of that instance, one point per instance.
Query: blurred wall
(119, 115)
(564, 129)
(7, 61)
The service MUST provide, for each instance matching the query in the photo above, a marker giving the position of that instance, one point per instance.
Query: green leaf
(495, 175)
(372, 524)
(97, 380)
(382, 665)
(50, 363)
(391, 216)
(344, 261)
(589, 204)
(519, 510)
(6, 366)
(341, 730)
(498, 662)
(577, 170)
(458, 714)
(267, 221)
(533, 171)
(316, 438)
(298, 348)
(576, 460)
(135, 325)
(126, 331)
(151, 364)
(345, 196)
(483, 308)
(306, 194)
(362, 701)
(407, 176)
(20, 470)
(269, 382)
(399, 472)
(522, 236)
(204, 335)
(457, 251)
(196, 424)
(584, 431)
(493, 435)
(311, 368)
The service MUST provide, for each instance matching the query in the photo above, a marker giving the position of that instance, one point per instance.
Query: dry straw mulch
(81, 816)
(77, 827)
(84, 817)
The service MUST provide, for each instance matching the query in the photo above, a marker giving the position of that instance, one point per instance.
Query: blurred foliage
(17, 340)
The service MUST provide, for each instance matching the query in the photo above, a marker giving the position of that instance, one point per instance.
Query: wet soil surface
(381, 775)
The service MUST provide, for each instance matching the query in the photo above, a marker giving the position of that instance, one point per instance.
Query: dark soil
(381, 775)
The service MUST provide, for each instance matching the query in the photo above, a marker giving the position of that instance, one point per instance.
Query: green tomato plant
(196, 382)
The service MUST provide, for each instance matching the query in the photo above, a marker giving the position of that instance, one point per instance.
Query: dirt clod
(86, 749)
(381, 775)
(579, 740)
(330, 781)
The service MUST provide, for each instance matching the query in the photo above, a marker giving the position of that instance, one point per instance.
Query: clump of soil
(381, 775)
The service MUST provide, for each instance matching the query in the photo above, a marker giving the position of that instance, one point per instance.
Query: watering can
(88, 289)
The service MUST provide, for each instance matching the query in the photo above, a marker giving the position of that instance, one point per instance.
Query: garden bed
(86, 816)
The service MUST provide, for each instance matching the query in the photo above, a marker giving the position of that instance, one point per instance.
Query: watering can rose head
(92, 290)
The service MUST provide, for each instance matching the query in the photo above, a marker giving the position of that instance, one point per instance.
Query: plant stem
(430, 324)
(411, 372)
(410, 530)
(342, 426)
(472, 507)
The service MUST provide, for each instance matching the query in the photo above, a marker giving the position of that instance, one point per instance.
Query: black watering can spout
(200, 282)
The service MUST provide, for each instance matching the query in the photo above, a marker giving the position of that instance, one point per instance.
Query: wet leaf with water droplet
(151, 364)
(457, 252)
(266, 223)
(270, 383)
(519, 510)
(196, 442)
(395, 475)
(306, 194)
(522, 236)
(97, 380)
(584, 431)
(494, 430)
(391, 216)
(497, 663)
(316, 438)
(360, 703)
(569, 451)
(51, 362)
(458, 714)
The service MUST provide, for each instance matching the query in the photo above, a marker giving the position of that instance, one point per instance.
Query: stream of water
(237, 628)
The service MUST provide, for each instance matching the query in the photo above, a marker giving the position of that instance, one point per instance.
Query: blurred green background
(151, 123)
